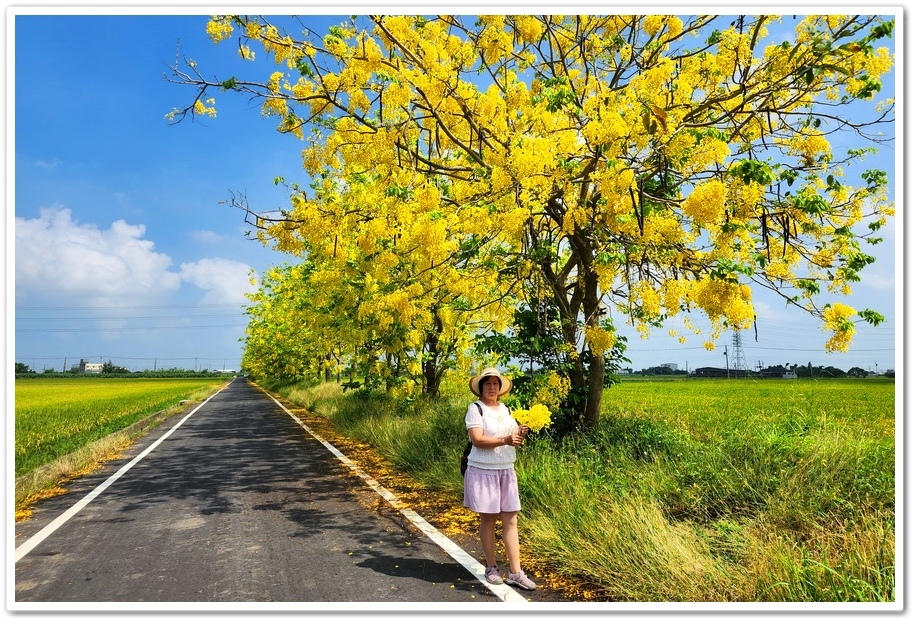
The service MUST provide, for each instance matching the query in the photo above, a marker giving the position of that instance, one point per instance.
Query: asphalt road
(234, 501)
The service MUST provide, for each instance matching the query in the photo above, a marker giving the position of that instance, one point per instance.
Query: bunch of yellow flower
(552, 390)
(836, 319)
(535, 418)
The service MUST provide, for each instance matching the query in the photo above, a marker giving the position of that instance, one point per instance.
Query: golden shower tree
(629, 167)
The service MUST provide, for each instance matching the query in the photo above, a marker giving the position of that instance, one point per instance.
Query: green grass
(57, 416)
(701, 490)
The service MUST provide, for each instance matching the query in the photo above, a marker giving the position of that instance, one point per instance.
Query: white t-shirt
(495, 422)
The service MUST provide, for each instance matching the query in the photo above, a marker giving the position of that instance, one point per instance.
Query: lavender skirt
(491, 491)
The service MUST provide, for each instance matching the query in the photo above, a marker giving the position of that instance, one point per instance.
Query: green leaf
(871, 317)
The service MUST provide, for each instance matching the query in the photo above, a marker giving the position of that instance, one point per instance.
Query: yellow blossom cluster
(219, 28)
(734, 50)
(552, 390)
(653, 23)
(812, 147)
(644, 294)
(599, 340)
(528, 27)
(706, 204)
(494, 41)
(273, 83)
(252, 29)
(274, 107)
(837, 319)
(673, 293)
(200, 108)
(726, 300)
(535, 418)
(744, 199)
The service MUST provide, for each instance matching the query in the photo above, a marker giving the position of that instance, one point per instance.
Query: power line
(66, 307)
(106, 330)
(119, 358)
(80, 318)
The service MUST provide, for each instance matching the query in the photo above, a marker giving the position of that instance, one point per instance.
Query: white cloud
(64, 263)
(61, 262)
(225, 281)
(47, 164)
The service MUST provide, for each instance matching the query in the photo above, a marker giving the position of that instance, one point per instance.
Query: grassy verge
(691, 492)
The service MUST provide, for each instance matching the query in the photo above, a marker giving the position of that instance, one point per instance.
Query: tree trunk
(432, 374)
(595, 394)
(432, 379)
(591, 308)
(578, 302)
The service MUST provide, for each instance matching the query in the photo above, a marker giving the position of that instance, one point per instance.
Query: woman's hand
(517, 437)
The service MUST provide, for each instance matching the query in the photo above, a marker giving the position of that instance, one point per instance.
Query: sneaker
(493, 576)
(521, 580)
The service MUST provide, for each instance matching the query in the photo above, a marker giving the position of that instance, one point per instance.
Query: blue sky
(119, 248)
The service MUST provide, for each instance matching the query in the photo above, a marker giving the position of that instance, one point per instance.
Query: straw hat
(505, 383)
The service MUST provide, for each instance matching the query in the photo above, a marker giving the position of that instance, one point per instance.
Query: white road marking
(45, 532)
(503, 591)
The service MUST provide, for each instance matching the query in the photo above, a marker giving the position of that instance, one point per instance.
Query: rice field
(57, 416)
(700, 490)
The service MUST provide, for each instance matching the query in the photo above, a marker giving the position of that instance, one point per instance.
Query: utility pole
(727, 374)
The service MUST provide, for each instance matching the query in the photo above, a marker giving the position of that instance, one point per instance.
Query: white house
(87, 367)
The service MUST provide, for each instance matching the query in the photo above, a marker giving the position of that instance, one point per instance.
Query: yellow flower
(535, 418)
(274, 83)
(706, 204)
(598, 339)
(836, 319)
(653, 23)
(219, 28)
(201, 109)
(529, 28)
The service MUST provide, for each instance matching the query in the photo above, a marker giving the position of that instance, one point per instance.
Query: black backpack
(464, 458)
(467, 448)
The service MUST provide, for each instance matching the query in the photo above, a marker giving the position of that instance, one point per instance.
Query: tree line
(799, 370)
(111, 370)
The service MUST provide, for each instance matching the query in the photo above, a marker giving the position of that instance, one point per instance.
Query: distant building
(670, 366)
(87, 367)
(712, 372)
(777, 372)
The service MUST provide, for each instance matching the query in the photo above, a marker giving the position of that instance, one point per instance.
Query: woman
(490, 484)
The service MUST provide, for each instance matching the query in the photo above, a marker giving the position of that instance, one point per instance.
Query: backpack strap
(477, 404)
